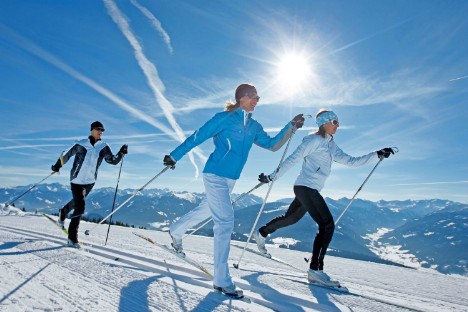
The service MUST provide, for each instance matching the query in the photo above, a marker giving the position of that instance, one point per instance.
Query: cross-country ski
(64, 230)
(175, 253)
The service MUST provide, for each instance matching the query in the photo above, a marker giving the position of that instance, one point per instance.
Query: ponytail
(230, 106)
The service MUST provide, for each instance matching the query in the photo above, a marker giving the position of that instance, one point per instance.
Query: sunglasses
(252, 95)
(99, 129)
(335, 122)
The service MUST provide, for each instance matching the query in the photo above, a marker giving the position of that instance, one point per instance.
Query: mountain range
(415, 233)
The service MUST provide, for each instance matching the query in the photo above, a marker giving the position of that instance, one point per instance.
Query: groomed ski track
(255, 277)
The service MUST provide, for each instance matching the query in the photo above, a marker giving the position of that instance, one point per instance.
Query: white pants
(217, 205)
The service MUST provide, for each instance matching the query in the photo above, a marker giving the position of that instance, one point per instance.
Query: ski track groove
(125, 258)
(139, 263)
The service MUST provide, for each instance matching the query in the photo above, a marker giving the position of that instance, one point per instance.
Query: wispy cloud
(459, 78)
(432, 183)
(35, 146)
(32, 48)
(156, 23)
(151, 73)
(51, 59)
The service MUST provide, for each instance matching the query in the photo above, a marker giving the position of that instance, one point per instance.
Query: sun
(293, 70)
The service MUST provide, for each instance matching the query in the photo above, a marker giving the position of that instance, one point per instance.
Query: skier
(89, 154)
(318, 150)
(233, 132)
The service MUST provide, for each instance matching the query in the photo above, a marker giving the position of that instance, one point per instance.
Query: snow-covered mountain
(423, 233)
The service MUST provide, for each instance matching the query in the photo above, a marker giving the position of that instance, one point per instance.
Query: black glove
(124, 149)
(264, 178)
(169, 161)
(385, 152)
(56, 167)
(298, 121)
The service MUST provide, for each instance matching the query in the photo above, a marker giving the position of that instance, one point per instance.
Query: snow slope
(129, 274)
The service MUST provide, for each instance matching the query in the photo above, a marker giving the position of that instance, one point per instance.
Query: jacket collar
(92, 140)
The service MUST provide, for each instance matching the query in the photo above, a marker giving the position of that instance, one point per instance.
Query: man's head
(97, 128)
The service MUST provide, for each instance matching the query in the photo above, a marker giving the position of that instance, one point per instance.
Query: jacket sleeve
(67, 154)
(208, 130)
(304, 149)
(345, 159)
(262, 138)
(111, 158)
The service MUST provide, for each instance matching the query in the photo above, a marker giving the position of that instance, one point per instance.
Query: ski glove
(264, 178)
(298, 121)
(169, 161)
(56, 167)
(385, 152)
(124, 149)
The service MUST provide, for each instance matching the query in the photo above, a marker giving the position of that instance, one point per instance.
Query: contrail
(152, 76)
(46, 56)
(459, 78)
(156, 23)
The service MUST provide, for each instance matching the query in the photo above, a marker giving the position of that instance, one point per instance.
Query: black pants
(307, 200)
(79, 193)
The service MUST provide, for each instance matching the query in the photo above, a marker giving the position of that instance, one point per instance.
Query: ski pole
(128, 199)
(395, 149)
(359, 189)
(246, 193)
(233, 203)
(11, 203)
(113, 203)
(263, 204)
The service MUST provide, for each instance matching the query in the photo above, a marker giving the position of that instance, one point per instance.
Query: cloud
(431, 183)
(459, 78)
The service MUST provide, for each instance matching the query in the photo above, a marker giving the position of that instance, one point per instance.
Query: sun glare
(293, 70)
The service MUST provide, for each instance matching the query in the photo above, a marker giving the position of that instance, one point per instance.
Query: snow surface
(38, 273)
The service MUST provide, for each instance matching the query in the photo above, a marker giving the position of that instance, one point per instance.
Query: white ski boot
(322, 278)
(177, 245)
(260, 242)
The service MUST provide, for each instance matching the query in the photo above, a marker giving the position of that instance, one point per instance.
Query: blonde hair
(240, 92)
(231, 106)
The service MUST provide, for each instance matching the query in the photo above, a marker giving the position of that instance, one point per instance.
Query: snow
(187, 196)
(129, 274)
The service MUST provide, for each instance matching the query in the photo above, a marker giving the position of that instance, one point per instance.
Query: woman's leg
(294, 213)
(218, 193)
(318, 210)
(190, 219)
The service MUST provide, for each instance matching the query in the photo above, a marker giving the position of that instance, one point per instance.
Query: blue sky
(395, 72)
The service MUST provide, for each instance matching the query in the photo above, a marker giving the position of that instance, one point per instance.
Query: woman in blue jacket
(317, 152)
(234, 131)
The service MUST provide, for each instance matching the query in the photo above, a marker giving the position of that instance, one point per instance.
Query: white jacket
(318, 154)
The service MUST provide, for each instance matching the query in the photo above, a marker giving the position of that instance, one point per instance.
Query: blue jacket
(232, 142)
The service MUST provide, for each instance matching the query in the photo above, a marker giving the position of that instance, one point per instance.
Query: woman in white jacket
(317, 151)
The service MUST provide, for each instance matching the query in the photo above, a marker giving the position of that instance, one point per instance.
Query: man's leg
(79, 193)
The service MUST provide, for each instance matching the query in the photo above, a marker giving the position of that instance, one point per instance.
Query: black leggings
(79, 193)
(307, 200)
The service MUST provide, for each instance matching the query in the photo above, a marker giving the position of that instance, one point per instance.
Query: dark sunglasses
(99, 129)
(252, 96)
(335, 122)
